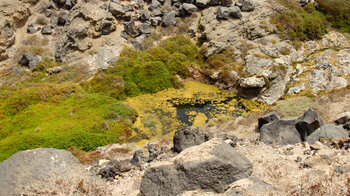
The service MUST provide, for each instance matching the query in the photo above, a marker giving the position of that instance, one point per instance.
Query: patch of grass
(86, 121)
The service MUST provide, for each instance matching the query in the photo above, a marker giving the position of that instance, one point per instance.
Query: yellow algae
(158, 113)
(200, 120)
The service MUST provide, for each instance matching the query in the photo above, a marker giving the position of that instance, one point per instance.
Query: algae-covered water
(195, 104)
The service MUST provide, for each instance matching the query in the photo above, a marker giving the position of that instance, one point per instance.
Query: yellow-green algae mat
(158, 113)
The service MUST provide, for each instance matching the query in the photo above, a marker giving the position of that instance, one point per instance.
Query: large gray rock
(114, 168)
(27, 172)
(280, 131)
(116, 9)
(188, 137)
(327, 131)
(153, 152)
(169, 18)
(223, 13)
(138, 41)
(154, 5)
(308, 123)
(29, 60)
(251, 186)
(267, 118)
(246, 5)
(189, 8)
(202, 3)
(155, 21)
(26, 58)
(144, 28)
(211, 166)
(235, 12)
(131, 28)
(144, 15)
(138, 158)
(252, 82)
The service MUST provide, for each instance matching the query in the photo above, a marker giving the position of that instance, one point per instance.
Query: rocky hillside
(174, 97)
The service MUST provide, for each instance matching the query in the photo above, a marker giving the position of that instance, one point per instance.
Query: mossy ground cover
(40, 110)
(158, 114)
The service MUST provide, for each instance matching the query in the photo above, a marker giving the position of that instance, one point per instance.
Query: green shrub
(138, 72)
(337, 13)
(300, 23)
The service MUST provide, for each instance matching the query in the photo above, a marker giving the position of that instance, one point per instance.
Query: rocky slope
(213, 164)
(93, 33)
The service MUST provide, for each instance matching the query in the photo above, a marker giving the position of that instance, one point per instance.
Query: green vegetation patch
(150, 71)
(41, 110)
(300, 23)
(337, 13)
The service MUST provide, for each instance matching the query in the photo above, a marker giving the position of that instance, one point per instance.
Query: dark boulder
(202, 3)
(60, 2)
(226, 3)
(155, 21)
(26, 58)
(308, 123)
(214, 2)
(131, 29)
(327, 131)
(29, 60)
(62, 18)
(138, 158)
(124, 35)
(144, 15)
(188, 137)
(153, 152)
(280, 131)
(211, 166)
(267, 118)
(235, 12)
(115, 168)
(154, 5)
